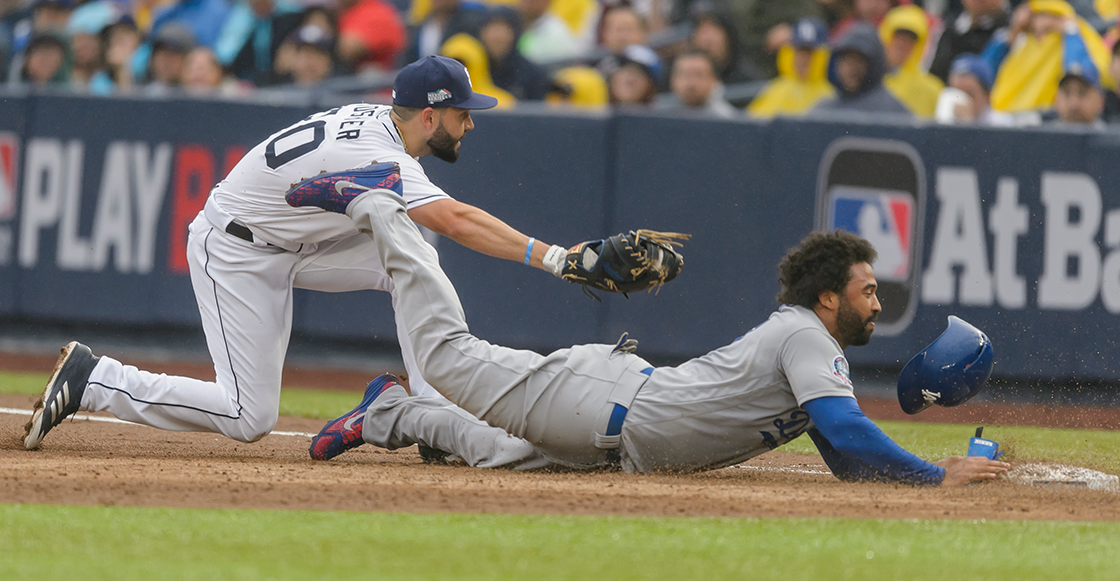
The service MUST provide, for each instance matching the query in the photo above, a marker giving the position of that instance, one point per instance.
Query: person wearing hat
(469, 51)
(249, 248)
(1080, 96)
(904, 32)
(633, 76)
(1028, 58)
(965, 101)
(313, 59)
(802, 73)
(510, 70)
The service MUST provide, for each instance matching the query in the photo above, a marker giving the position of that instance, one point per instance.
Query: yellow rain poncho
(916, 88)
(789, 94)
(1028, 77)
(588, 89)
(469, 51)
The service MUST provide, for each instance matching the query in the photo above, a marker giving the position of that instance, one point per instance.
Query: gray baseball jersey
(738, 401)
(729, 405)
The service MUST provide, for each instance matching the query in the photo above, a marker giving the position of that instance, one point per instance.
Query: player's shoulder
(799, 325)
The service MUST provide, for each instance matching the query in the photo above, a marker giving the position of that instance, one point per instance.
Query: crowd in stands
(985, 62)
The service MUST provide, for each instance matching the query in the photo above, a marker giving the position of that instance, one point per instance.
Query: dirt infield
(99, 463)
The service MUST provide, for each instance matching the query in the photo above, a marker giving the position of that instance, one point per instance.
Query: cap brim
(478, 101)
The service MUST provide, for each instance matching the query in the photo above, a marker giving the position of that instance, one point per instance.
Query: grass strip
(54, 542)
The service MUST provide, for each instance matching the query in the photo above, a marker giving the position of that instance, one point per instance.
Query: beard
(443, 145)
(851, 326)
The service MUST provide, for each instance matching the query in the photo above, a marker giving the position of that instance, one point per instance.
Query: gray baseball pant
(560, 403)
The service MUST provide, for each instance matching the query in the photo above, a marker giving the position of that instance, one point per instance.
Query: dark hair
(697, 53)
(822, 262)
(405, 113)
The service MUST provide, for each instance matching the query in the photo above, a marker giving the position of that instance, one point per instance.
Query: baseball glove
(624, 263)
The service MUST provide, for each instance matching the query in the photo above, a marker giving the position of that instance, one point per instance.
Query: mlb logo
(876, 188)
(884, 218)
(9, 158)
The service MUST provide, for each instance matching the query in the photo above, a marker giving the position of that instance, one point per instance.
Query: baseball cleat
(334, 191)
(345, 432)
(63, 395)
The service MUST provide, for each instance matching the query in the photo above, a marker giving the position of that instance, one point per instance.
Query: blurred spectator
(84, 27)
(714, 33)
(252, 35)
(802, 74)
(203, 75)
(203, 18)
(371, 34)
(904, 32)
(511, 71)
(11, 13)
(580, 87)
(620, 27)
(469, 51)
(581, 16)
(764, 27)
(46, 17)
(1028, 58)
(1111, 96)
(836, 11)
(313, 58)
(445, 19)
(968, 33)
(966, 100)
(1080, 96)
(633, 76)
(547, 38)
(284, 59)
(119, 43)
(870, 11)
(44, 62)
(695, 87)
(856, 70)
(169, 55)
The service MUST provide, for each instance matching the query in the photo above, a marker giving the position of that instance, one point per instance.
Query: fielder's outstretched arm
(480, 231)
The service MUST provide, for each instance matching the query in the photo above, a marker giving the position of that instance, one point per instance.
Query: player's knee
(253, 428)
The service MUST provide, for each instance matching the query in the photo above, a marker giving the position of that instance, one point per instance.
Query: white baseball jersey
(738, 401)
(336, 140)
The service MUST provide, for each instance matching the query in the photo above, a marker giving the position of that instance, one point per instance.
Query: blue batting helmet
(949, 371)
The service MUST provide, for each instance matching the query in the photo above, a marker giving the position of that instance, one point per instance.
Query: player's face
(859, 307)
(453, 125)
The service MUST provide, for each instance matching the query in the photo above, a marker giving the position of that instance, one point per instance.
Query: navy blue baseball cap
(437, 81)
(809, 33)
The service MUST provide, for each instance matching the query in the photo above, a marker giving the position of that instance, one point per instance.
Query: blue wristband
(529, 250)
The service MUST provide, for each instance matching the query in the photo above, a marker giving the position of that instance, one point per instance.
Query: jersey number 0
(318, 130)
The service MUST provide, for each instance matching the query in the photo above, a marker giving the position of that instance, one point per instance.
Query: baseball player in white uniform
(596, 405)
(248, 249)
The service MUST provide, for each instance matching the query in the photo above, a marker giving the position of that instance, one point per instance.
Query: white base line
(80, 416)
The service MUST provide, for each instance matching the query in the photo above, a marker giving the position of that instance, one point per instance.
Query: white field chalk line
(88, 418)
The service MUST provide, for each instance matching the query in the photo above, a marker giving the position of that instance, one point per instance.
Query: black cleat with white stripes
(63, 395)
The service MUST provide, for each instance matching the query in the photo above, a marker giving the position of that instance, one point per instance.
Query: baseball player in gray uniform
(597, 405)
(248, 249)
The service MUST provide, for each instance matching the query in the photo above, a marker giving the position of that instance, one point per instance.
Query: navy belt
(618, 414)
(240, 231)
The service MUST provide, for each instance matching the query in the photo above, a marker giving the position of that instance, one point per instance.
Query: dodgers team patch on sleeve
(840, 369)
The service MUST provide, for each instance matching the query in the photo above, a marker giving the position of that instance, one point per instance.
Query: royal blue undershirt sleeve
(856, 449)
